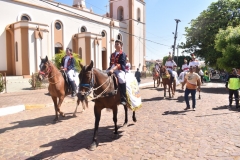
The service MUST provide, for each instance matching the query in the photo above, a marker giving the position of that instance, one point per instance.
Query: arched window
(120, 13)
(58, 25)
(119, 37)
(83, 29)
(138, 14)
(103, 33)
(25, 18)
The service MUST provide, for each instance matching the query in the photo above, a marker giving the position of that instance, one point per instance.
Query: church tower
(79, 3)
(132, 12)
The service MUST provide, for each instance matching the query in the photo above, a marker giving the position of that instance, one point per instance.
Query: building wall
(72, 24)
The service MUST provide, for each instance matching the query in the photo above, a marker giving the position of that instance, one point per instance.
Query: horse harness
(45, 74)
(91, 88)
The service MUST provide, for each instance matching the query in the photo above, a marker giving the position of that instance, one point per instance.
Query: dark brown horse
(94, 80)
(57, 85)
(166, 80)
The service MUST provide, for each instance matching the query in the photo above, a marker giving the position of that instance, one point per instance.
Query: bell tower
(132, 12)
(79, 3)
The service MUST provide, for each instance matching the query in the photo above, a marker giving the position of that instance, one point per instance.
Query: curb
(22, 107)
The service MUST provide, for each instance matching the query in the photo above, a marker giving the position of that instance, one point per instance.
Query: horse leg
(74, 114)
(59, 105)
(134, 117)
(97, 113)
(55, 107)
(164, 85)
(126, 116)
(115, 111)
(169, 89)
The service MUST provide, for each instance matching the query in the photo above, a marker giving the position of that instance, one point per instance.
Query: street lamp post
(175, 38)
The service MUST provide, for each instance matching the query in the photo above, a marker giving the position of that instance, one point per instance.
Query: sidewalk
(22, 97)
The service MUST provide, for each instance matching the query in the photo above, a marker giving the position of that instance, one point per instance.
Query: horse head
(44, 68)
(86, 80)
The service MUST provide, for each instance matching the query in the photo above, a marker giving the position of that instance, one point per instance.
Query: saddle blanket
(133, 95)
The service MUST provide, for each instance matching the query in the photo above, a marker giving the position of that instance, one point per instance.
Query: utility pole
(177, 53)
(175, 38)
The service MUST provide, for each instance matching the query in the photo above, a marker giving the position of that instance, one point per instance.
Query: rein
(47, 73)
(91, 88)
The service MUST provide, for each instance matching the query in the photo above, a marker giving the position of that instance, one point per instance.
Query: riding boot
(72, 83)
(123, 93)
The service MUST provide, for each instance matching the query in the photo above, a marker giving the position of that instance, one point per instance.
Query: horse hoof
(134, 119)
(74, 115)
(115, 136)
(62, 114)
(55, 120)
(92, 147)
(125, 125)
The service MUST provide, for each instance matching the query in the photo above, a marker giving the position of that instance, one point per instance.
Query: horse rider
(185, 69)
(68, 65)
(233, 84)
(157, 67)
(128, 66)
(170, 64)
(117, 66)
(194, 63)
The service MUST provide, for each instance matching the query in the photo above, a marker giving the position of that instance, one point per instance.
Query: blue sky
(160, 23)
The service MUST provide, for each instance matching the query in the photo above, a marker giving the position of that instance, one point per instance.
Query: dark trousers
(193, 94)
(236, 96)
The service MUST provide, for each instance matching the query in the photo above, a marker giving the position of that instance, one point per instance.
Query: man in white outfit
(170, 64)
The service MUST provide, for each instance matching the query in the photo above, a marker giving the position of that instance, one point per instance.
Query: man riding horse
(117, 66)
(170, 64)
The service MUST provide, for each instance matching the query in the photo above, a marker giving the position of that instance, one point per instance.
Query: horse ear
(80, 64)
(46, 58)
(91, 64)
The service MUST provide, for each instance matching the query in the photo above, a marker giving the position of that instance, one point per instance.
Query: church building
(31, 29)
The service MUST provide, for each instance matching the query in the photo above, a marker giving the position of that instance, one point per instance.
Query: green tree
(227, 42)
(200, 36)
(58, 58)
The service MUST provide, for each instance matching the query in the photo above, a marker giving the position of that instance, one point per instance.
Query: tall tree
(227, 42)
(201, 34)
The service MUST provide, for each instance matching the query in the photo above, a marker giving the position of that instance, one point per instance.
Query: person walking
(193, 83)
(68, 65)
(117, 66)
(138, 76)
(232, 85)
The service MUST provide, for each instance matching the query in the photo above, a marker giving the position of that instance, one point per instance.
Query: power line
(92, 20)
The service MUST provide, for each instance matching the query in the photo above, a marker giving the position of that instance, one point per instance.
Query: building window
(80, 53)
(120, 13)
(58, 25)
(119, 37)
(83, 29)
(25, 18)
(16, 51)
(139, 14)
(103, 34)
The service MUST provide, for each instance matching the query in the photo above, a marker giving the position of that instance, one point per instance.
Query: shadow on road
(215, 90)
(77, 142)
(232, 108)
(153, 99)
(40, 121)
(175, 112)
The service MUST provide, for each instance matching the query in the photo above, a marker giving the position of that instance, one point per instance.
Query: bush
(58, 58)
(1, 83)
(38, 83)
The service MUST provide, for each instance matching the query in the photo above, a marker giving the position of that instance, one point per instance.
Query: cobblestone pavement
(163, 130)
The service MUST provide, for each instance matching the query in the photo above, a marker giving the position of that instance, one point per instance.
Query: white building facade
(31, 29)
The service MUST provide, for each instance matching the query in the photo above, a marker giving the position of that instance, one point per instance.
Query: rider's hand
(110, 72)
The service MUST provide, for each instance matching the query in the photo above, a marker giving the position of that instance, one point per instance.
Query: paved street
(163, 130)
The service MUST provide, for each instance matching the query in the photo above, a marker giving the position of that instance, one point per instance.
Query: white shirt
(170, 64)
(193, 63)
(128, 67)
(185, 67)
(66, 61)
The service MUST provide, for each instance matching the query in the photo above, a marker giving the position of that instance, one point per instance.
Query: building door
(104, 59)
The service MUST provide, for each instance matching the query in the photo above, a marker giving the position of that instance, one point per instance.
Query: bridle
(46, 73)
(91, 88)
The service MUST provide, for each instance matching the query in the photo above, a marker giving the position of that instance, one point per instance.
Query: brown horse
(102, 86)
(57, 85)
(166, 80)
(156, 76)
